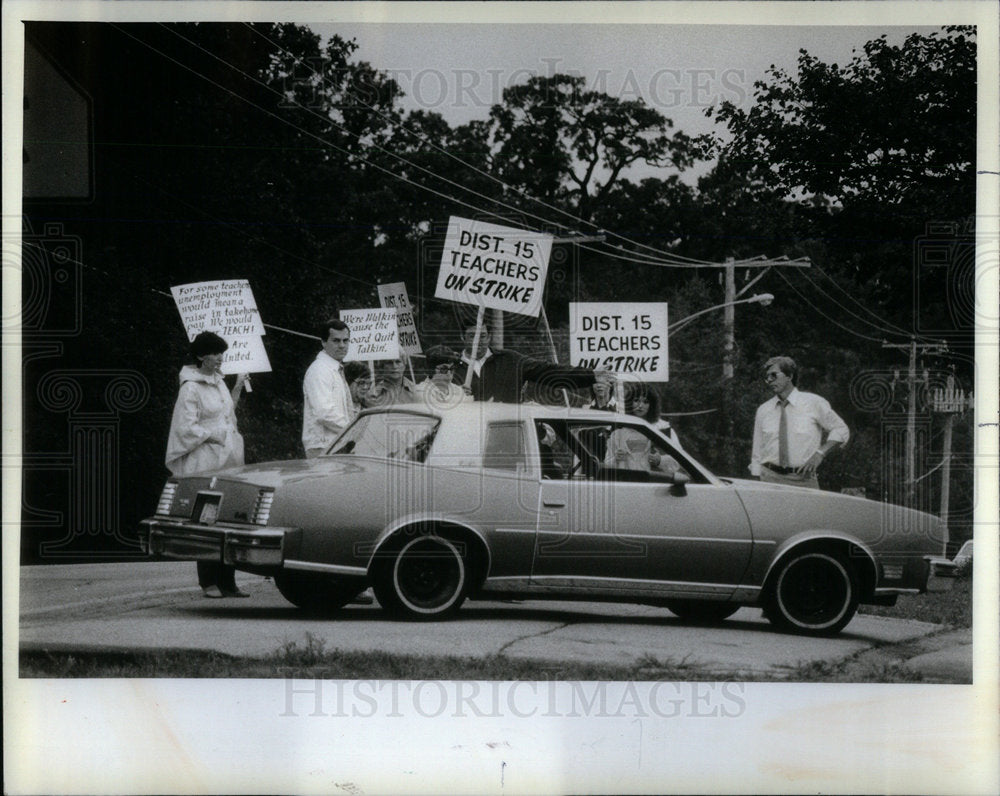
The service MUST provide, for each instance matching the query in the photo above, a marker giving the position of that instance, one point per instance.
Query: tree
(569, 146)
(871, 152)
(854, 166)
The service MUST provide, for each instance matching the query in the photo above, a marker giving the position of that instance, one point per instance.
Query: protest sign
(394, 295)
(228, 308)
(629, 339)
(373, 334)
(488, 265)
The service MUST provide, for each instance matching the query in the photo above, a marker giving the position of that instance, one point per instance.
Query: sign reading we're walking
(492, 266)
(374, 334)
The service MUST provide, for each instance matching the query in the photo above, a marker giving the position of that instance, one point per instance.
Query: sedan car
(490, 500)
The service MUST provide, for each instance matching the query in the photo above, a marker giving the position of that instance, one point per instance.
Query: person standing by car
(438, 391)
(327, 405)
(359, 382)
(203, 437)
(500, 375)
(603, 392)
(793, 431)
(391, 384)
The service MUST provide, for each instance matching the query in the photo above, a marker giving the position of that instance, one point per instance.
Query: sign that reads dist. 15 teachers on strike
(629, 339)
(488, 265)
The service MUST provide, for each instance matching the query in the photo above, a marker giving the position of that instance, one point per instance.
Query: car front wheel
(814, 592)
(424, 578)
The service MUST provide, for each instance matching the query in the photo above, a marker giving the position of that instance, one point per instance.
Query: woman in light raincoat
(203, 437)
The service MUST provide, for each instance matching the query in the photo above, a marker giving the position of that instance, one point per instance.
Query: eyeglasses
(771, 376)
(445, 367)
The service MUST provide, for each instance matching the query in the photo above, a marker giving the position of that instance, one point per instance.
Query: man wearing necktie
(794, 430)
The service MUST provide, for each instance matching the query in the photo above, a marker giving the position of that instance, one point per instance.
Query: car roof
(493, 411)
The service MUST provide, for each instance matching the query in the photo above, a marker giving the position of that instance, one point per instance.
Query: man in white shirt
(793, 431)
(328, 407)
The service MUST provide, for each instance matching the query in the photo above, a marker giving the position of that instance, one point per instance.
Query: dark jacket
(504, 372)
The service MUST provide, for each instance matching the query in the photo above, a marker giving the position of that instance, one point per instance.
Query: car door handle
(554, 504)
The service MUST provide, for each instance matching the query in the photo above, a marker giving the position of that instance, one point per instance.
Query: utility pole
(951, 402)
(728, 348)
(729, 320)
(911, 413)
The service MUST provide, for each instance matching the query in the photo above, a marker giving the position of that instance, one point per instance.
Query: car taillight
(166, 497)
(262, 508)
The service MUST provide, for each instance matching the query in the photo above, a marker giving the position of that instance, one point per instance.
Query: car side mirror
(680, 478)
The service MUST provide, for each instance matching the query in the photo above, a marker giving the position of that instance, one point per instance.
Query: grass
(952, 607)
(312, 660)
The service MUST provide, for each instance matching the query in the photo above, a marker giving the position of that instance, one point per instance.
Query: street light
(758, 298)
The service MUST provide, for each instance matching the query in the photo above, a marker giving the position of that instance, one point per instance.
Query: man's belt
(777, 468)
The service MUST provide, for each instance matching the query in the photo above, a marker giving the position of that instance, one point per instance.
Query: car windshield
(390, 435)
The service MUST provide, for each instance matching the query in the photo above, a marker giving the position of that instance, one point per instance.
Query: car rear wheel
(315, 592)
(708, 611)
(423, 578)
(814, 592)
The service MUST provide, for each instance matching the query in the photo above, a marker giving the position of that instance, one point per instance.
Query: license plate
(206, 507)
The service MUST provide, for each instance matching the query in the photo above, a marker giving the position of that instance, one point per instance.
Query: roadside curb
(946, 657)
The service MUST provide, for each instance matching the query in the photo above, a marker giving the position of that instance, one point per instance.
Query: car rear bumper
(941, 574)
(915, 576)
(241, 546)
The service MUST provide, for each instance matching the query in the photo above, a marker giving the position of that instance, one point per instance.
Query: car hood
(780, 511)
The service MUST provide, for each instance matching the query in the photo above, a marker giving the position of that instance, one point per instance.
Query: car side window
(505, 447)
(614, 448)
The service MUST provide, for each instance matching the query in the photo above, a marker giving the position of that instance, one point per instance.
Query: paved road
(155, 605)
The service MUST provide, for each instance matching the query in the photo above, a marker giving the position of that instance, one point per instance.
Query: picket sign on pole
(475, 345)
(228, 308)
(493, 266)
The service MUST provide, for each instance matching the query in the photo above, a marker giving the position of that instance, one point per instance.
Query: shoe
(235, 592)
(365, 598)
(212, 592)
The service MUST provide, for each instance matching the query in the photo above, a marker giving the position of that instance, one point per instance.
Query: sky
(460, 70)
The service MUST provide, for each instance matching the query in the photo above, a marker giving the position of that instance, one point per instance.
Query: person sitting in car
(629, 448)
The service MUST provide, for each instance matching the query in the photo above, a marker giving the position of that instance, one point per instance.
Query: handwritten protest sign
(394, 295)
(629, 339)
(374, 334)
(501, 268)
(228, 308)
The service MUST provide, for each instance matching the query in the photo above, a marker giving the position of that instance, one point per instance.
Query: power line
(475, 168)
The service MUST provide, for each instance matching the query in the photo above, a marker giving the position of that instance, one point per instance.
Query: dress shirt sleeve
(324, 393)
(835, 428)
